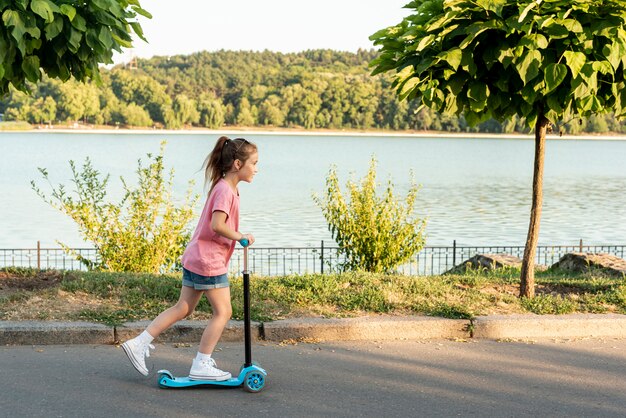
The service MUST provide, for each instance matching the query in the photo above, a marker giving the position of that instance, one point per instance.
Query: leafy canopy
(64, 38)
(499, 58)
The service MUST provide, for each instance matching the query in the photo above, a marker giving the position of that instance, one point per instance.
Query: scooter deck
(168, 380)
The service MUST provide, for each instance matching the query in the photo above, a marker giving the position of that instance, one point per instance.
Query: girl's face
(249, 169)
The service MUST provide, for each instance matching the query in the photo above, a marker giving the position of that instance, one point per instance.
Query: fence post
(322, 258)
(454, 253)
(38, 255)
(581, 245)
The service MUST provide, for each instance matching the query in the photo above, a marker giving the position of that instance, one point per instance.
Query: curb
(366, 328)
(370, 328)
(47, 332)
(550, 326)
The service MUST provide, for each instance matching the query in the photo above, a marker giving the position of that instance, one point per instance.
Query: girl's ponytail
(224, 154)
(211, 166)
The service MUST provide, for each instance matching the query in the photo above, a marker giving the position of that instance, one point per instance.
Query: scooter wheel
(254, 381)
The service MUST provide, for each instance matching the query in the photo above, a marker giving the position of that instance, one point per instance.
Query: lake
(476, 191)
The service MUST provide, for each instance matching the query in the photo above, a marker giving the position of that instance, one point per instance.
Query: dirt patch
(39, 280)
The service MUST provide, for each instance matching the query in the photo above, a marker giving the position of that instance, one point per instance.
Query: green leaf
(572, 25)
(12, 18)
(554, 74)
(590, 104)
(408, 87)
(74, 40)
(493, 5)
(602, 66)
(426, 41)
(478, 94)
(79, 23)
(68, 11)
(524, 13)
(452, 57)
(54, 28)
(534, 41)
(44, 8)
(575, 61)
(105, 37)
(1, 71)
(612, 54)
(137, 29)
(147, 14)
(528, 67)
(30, 66)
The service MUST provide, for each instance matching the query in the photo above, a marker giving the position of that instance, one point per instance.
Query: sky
(188, 26)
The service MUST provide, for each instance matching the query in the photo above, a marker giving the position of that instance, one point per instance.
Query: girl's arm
(218, 225)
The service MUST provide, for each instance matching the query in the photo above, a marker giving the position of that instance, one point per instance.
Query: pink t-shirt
(208, 253)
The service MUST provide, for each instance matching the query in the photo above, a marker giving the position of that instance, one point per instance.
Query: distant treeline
(313, 89)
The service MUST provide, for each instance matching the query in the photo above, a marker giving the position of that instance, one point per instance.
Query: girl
(205, 260)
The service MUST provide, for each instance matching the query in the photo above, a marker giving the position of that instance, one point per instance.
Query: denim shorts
(199, 282)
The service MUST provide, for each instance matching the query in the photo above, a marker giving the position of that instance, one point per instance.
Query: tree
(545, 61)
(64, 39)
(244, 113)
(135, 115)
(142, 90)
(211, 111)
(43, 110)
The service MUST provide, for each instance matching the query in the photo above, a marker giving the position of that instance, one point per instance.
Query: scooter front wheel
(254, 381)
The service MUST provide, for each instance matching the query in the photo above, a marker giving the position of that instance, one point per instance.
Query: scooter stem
(246, 308)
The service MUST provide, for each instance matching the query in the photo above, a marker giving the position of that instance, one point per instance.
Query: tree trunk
(527, 280)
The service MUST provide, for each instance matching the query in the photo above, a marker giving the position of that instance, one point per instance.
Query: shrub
(144, 232)
(375, 233)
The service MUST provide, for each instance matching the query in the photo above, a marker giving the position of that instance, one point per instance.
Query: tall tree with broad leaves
(547, 61)
(64, 38)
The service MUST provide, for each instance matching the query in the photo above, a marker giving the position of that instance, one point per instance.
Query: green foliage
(314, 89)
(144, 232)
(375, 233)
(499, 58)
(64, 39)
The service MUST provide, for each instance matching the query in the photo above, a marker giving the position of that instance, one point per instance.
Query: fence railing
(300, 260)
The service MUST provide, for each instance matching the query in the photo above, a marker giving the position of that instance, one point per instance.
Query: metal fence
(300, 260)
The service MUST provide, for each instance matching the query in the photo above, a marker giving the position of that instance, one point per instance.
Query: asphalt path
(584, 377)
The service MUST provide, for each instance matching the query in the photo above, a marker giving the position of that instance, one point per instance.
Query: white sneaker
(137, 353)
(207, 370)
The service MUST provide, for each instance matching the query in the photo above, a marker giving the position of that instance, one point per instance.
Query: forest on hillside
(316, 89)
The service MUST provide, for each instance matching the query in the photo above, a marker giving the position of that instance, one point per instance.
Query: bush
(144, 232)
(375, 234)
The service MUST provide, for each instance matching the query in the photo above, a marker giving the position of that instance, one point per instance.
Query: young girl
(205, 260)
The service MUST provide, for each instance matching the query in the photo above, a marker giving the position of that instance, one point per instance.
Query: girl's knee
(224, 313)
(183, 310)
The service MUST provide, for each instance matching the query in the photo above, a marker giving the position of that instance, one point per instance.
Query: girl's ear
(238, 164)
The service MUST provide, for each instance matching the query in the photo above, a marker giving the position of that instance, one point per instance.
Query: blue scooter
(251, 376)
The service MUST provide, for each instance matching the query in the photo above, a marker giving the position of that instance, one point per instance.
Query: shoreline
(303, 132)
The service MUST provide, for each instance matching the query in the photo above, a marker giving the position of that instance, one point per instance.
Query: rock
(581, 262)
(486, 262)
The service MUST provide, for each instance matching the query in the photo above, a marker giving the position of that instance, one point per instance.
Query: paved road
(386, 379)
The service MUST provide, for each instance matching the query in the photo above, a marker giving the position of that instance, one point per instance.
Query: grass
(113, 298)
(15, 126)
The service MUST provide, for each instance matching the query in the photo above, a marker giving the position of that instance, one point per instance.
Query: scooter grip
(244, 242)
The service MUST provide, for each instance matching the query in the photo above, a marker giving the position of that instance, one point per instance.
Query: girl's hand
(249, 237)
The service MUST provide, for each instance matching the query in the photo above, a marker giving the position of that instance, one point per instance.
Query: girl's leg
(138, 348)
(187, 302)
(222, 311)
